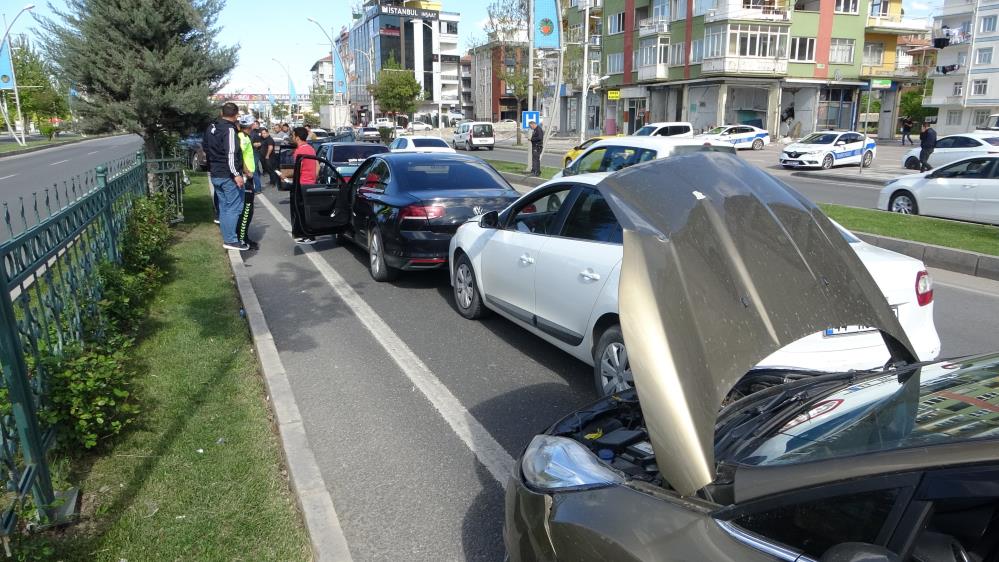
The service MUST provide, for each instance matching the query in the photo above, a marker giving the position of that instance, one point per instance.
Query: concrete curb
(522, 179)
(847, 178)
(959, 261)
(53, 145)
(325, 533)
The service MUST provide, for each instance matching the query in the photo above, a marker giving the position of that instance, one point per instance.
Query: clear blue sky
(268, 29)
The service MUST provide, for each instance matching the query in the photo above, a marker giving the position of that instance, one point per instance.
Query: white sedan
(955, 147)
(739, 136)
(419, 144)
(551, 264)
(826, 149)
(964, 190)
(420, 126)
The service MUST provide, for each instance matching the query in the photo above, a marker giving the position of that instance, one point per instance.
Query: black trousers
(906, 137)
(270, 168)
(246, 215)
(924, 157)
(536, 158)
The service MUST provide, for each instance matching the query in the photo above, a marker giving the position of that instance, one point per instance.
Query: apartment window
(660, 10)
(701, 7)
(981, 117)
(767, 41)
(647, 48)
(615, 63)
(696, 50)
(979, 87)
(988, 24)
(984, 56)
(634, 60)
(678, 9)
(847, 6)
(803, 49)
(714, 42)
(452, 28)
(663, 51)
(954, 117)
(676, 53)
(841, 51)
(958, 89)
(874, 54)
(615, 23)
(962, 58)
(879, 8)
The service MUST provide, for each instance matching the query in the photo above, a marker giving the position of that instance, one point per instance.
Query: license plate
(847, 330)
(791, 163)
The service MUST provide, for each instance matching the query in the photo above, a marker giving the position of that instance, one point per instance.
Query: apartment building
(966, 75)
(418, 37)
(505, 51)
(791, 67)
(322, 73)
(466, 91)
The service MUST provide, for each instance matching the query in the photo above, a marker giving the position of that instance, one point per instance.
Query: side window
(539, 215)
(591, 161)
(591, 218)
(815, 526)
(376, 176)
(965, 142)
(678, 130)
(946, 142)
(663, 132)
(979, 168)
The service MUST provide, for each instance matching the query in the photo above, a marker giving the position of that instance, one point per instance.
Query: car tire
(903, 202)
(468, 146)
(611, 370)
(828, 162)
(758, 144)
(467, 298)
(867, 160)
(195, 167)
(912, 163)
(490, 147)
(380, 271)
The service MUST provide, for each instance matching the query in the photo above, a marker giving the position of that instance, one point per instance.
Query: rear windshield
(425, 143)
(482, 130)
(994, 141)
(348, 153)
(819, 138)
(690, 148)
(369, 130)
(442, 175)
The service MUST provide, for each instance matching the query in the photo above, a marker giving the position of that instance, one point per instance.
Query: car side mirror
(568, 171)
(840, 143)
(489, 220)
(858, 552)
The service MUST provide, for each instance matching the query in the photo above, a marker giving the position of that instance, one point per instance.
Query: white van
(677, 129)
(474, 135)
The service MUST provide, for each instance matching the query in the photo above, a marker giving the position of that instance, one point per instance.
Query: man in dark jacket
(927, 142)
(537, 143)
(225, 167)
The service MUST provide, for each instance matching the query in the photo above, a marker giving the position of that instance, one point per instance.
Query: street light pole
(371, 79)
(17, 97)
(288, 74)
(586, 70)
(440, 110)
(333, 64)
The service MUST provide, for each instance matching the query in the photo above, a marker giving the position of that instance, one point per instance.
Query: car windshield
(936, 404)
(645, 131)
(717, 131)
(820, 138)
(355, 153)
(442, 175)
(429, 143)
(994, 141)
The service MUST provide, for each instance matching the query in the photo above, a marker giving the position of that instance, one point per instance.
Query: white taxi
(825, 149)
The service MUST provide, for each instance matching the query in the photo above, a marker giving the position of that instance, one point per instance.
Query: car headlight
(558, 464)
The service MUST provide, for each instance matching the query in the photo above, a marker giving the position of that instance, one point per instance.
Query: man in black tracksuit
(927, 142)
(537, 143)
(225, 167)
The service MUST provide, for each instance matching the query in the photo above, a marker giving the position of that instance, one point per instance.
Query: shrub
(146, 233)
(387, 134)
(48, 130)
(125, 295)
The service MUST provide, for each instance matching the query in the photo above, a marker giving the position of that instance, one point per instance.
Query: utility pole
(5, 41)
(530, 65)
(585, 83)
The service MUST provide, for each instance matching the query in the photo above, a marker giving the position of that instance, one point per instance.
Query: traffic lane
(515, 383)
(965, 312)
(23, 174)
(837, 192)
(515, 155)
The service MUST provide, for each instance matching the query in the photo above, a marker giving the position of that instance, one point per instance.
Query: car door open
(314, 202)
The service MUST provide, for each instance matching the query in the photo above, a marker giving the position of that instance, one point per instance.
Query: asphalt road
(406, 481)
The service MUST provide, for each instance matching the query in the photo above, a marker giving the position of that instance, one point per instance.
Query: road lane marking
(476, 437)
(7, 177)
(59, 162)
(92, 152)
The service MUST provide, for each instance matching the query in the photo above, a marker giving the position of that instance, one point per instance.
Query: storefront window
(836, 108)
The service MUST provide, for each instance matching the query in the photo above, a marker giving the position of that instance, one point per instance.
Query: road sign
(613, 95)
(880, 83)
(528, 116)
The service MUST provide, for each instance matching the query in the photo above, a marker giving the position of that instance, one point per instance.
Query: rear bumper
(415, 250)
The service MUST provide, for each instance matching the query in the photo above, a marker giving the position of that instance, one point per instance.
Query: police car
(739, 136)
(826, 149)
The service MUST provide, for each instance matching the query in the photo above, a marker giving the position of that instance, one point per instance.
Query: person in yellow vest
(249, 167)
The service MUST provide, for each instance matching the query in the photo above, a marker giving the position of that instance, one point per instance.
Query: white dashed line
(7, 177)
(59, 162)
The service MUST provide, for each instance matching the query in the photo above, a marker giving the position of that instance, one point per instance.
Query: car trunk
(459, 205)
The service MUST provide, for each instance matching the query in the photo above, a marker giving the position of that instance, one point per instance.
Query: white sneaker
(216, 221)
(236, 246)
(306, 240)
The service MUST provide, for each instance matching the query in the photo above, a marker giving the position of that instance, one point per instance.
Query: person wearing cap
(249, 173)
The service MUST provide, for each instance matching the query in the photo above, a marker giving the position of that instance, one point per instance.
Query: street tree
(395, 90)
(42, 98)
(279, 111)
(144, 67)
(911, 105)
(320, 96)
(516, 81)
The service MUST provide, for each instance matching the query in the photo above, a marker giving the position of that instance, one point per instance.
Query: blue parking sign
(528, 116)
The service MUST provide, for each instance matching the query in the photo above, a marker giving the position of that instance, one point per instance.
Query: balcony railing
(732, 65)
(936, 71)
(749, 10)
(449, 77)
(896, 24)
(653, 72)
(887, 71)
(652, 26)
(594, 5)
(942, 100)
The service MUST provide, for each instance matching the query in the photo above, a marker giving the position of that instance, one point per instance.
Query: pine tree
(144, 67)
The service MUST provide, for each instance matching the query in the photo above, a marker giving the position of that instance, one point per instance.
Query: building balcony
(936, 101)
(653, 26)
(451, 78)
(749, 10)
(893, 71)
(934, 71)
(744, 65)
(577, 38)
(653, 72)
(896, 25)
(594, 5)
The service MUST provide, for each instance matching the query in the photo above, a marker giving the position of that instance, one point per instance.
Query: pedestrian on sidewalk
(226, 171)
(537, 144)
(906, 129)
(267, 156)
(250, 176)
(307, 176)
(258, 183)
(927, 142)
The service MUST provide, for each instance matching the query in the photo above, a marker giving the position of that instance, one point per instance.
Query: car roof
(976, 135)
(431, 137)
(646, 142)
(665, 123)
(404, 157)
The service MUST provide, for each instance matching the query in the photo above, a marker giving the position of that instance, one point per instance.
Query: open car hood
(724, 265)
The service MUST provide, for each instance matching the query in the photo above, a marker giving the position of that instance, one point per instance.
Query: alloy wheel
(464, 286)
(758, 144)
(902, 204)
(615, 371)
(374, 252)
(827, 162)
(868, 158)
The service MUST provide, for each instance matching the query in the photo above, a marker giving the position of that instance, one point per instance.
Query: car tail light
(924, 288)
(421, 212)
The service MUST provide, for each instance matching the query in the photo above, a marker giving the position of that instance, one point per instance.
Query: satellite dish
(838, 75)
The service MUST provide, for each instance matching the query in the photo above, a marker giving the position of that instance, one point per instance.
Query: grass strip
(940, 232)
(200, 476)
(519, 168)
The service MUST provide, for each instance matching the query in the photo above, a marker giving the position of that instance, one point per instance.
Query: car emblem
(477, 210)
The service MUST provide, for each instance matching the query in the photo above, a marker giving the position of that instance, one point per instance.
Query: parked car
(196, 157)
(420, 126)
(955, 147)
(712, 458)
(966, 190)
(404, 207)
(320, 133)
(575, 151)
(551, 263)
(826, 149)
(347, 156)
(474, 135)
(369, 134)
(419, 144)
(616, 153)
(739, 136)
(668, 129)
